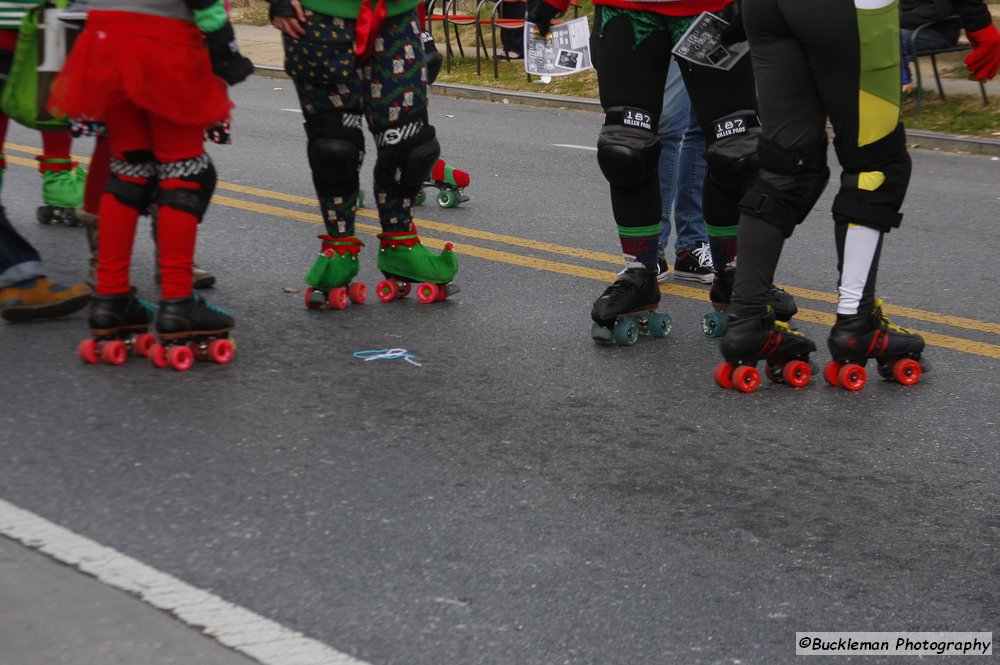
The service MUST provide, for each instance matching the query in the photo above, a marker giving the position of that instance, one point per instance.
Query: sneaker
(661, 265)
(41, 298)
(695, 265)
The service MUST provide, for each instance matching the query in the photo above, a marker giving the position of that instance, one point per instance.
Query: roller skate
(119, 325)
(627, 309)
(62, 190)
(855, 339)
(450, 183)
(403, 260)
(335, 267)
(190, 329)
(714, 323)
(762, 337)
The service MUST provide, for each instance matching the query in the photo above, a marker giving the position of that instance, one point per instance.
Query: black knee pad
(805, 176)
(628, 147)
(133, 179)
(731, 157)
(193, 200)
(336, 149)
(406, 155)
(874, 182)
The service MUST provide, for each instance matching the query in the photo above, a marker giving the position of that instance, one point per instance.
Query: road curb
(921, 140)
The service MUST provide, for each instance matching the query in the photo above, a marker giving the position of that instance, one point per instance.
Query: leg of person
(63, 180)
(674, 119)
(871, 148)
(793, 172)
(693, 252)
(187, 179)
(331, 97)
(904, 60)
(117, 316)
(97, 181)
(631, 78)
(407, 150)
(513, 40)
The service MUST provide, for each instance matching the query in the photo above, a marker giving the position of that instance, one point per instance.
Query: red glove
(984, 61)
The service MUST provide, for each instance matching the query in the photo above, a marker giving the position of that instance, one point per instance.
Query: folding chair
(933, 53)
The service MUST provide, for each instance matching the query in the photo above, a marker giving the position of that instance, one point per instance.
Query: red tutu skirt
(158, 64)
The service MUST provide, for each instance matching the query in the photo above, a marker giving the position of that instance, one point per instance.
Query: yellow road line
(615, 259)
(604, 276)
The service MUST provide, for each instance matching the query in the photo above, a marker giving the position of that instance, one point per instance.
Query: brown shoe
(41, 298)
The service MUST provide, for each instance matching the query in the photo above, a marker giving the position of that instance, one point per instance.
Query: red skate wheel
(357, 292)
(158, 356)
(796, 373)
(143, 343)
(831, 372)
(386, 290)
(180, 357)
(723, 375)
(310, 304)
(220, 351)
(428, 293)
(337, 298)
(852, 377)
(746, 378)
(907, 371)
(89, 351)
(114, 352)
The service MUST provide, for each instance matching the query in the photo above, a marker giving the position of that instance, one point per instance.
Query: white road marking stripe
(292, 110)
(240, 629)
(578, 147)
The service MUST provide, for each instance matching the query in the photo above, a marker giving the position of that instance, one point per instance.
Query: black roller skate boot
(118, 325)
(627, 309)
(762, 337)
(190, 329)
(713, 324)
(854, 339)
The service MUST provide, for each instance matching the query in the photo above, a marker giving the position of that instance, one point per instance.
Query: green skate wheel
(421, 198)
(660, 325)
(713, 324)
(447, 198)
(626, 332)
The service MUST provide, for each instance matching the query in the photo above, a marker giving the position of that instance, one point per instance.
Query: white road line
(578, 147)
(240, 629)
(292, 110)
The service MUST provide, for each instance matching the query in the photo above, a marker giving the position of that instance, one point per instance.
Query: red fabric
(97, 175)
(679, 8)
(56, 144)
(158, 64)
(4, 121)
(370, 20)
(984, 61)
(131, 128)
(8, 40)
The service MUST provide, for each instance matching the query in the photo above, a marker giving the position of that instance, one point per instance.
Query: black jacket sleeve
(917, 13)
(975, 14)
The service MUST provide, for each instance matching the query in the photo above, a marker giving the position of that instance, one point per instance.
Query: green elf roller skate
(404, 260)
(63, 182)
(330, 277)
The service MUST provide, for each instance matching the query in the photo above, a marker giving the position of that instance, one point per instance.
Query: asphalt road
(524, 496)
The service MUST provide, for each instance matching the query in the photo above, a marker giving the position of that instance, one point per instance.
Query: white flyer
(565, 50)
(702, 44)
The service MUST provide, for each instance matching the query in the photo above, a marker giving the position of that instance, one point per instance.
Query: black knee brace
(805, 176)
(406, 155)
(874, 182)
(628, 147)
(133, 179)
(193, 200)
(731, 156)
(336, 149)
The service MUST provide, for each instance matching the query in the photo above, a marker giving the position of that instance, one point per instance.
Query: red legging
(133, 129)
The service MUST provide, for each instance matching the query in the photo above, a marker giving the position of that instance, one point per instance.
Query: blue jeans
(682, 167)
(18, 259)
(928, 39)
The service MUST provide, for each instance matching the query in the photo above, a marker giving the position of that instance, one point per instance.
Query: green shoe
(334, 268)
(63, 183)
(41, 298)
(403, 256)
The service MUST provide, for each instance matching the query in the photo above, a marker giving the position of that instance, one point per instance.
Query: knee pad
(784, 201)
(731, 157)
(193, 192)
(406, 155)
(628, 147)
(874, 182)
(336, 149)
(133, 179)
